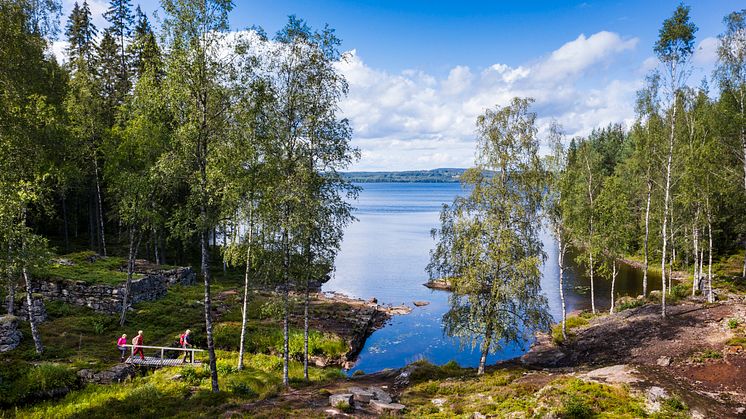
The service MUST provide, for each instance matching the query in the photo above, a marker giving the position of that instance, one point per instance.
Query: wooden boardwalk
(152, 361)
(162, 361)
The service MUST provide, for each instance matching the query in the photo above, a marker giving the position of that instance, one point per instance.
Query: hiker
(123, 349)
(136, 342)
(184, 342)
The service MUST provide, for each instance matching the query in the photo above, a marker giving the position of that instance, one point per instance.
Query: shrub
(732, 323)
(358, 373)
(345, 407)
(626, 303)
(575, 407)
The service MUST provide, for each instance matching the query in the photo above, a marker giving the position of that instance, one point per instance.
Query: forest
(197, 144)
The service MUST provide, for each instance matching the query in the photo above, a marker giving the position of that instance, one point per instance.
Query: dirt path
(686, 353)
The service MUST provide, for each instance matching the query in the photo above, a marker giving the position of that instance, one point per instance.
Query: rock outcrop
(37, 307)
(10, 336)
(108, 298)
(115, 374)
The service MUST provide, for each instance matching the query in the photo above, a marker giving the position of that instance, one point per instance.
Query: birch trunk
(286, 300)
(695, 278)
(245, 307)
(561, 261)
(130, 272)
(590, 236)
(11, 283)
(102, 236)
(666, 203)
(710, 295)
(613, 282)
(485, 350)
(647, 235)
(208, 304)
(29, 309)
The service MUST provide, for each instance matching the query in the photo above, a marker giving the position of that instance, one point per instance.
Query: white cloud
(413, 120)
(574, 57)
(706, 53)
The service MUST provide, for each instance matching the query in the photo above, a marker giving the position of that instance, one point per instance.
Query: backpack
(181, 339)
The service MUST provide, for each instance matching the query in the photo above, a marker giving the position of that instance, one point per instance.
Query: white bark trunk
(695, 278)
(710, 295)
(647, 235)
(666, 203)
(613, 282)
(561, 261)
(100, 208)
(30, 311)
(245, 307)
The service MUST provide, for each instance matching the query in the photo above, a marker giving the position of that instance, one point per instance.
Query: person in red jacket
(122, 349)
(136, 342)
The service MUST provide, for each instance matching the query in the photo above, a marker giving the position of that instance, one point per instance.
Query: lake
(384, 255)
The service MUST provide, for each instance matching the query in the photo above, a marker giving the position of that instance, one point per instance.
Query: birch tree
(488, 241)
(198, 73)
(673, 48)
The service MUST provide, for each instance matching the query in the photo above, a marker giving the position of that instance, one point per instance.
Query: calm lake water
(385, 253)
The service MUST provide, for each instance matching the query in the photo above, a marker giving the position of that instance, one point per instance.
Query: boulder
(386, 408)
(420, 303)
(360, 395)
(380, 395)
(336, 399)
(10, 336)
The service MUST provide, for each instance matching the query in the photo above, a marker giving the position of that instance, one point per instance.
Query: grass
(87, 267)
(705, 355)
(571, 322)
(160, 394)
(77, 337)
(515, 392)
(732, 324)
(627, 303)
(737, 341)
(22, 382)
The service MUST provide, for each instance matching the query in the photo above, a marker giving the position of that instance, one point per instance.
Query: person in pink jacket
(123, 349)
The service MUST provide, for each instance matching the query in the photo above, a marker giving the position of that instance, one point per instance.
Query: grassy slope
(77, 337)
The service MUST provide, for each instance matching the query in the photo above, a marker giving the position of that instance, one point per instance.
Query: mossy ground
(77, 337)
(514, 391)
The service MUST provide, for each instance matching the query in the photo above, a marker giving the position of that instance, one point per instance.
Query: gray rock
(477, 415)
(361, 395)
(388, 408)
(654, 396)
(116, 374)
(10, 336)
(336, 399)
(664, 361)
(380, 395)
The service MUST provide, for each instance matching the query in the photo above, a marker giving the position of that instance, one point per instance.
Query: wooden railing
(163, 349)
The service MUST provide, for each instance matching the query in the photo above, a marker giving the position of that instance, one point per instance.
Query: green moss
(706, 354)
(571, 322)
(87, 267)
(737, 341)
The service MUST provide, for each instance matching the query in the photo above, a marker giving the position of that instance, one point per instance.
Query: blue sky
(421, 71)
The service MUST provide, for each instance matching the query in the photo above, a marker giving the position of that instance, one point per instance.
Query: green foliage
(345, 407)
(87, 267)
(265, 339)
(706, 354)
(733, 324)
(571, 322)
(737, 341)
(23, 383)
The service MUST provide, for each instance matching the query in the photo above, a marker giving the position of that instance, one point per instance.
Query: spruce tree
(121, 19)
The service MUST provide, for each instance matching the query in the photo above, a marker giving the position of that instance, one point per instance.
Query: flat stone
(613, 374)
(420, 303)
(380, 395)
(382, 407)
(336, 399)
(477, 415)
(664, 361)
(361, 395)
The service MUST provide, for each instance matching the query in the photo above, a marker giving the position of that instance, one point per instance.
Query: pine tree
(121, 19)
(109, 76)
(144, 51)
(81, 34)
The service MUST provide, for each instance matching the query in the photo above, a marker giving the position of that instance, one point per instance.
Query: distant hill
(444, 175)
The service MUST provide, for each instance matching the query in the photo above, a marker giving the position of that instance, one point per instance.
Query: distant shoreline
(443, 175)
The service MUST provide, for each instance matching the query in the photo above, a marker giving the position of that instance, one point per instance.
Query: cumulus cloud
(414, 120)
(706, 53)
